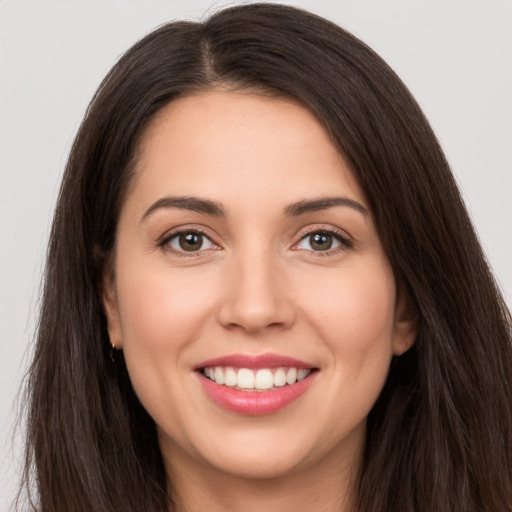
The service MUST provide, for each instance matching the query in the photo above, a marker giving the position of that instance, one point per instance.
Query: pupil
(321, 241)
(190, 241)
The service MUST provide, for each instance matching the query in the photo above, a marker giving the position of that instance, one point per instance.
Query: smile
(255, 385)
(246, 379)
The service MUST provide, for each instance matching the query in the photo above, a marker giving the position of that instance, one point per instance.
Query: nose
(256, 296)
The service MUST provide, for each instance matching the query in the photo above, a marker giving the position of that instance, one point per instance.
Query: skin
(255, 286)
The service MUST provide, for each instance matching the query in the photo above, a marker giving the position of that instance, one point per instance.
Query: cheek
(160, 308)
(353, 317)
(354, 313)
(160, 311)
(162, 314)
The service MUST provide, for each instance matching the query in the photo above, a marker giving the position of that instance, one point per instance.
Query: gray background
(455, 56)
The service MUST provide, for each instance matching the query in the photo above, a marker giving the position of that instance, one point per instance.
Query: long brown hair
(439, 437)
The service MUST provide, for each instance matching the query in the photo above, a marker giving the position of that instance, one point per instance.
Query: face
(250, 293)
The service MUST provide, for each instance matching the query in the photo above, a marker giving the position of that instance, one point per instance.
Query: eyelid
(163, 241)
(346, 241)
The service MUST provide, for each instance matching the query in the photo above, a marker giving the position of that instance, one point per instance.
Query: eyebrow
(193, 204)
(214, 209)
(322, 203)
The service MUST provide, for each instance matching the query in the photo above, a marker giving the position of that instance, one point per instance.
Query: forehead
(228, 145)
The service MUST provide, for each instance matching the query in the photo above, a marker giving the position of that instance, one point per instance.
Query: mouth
(255, 385)
(247, 379)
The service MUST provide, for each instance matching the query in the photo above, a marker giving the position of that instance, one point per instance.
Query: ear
(111, 309)
(405, 328)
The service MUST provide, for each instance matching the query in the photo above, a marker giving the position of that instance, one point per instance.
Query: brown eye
(190, 241)
(322, 241)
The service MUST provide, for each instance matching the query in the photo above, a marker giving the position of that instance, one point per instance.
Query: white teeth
(230, 377)
(279, 378)
(291, 376)
(302, 373)
(245, 379)
(262, 379)
(219, 375)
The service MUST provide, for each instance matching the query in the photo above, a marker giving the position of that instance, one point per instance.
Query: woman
(263, 290)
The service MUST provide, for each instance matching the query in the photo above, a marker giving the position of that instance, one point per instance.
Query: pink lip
(254, 362)
(254, 402)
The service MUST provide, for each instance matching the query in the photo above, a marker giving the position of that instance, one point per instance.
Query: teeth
(261, 379)
(302, 373)
(291, 376)
(219, 376)
(245, 379)
(279, 378)
(230, 377)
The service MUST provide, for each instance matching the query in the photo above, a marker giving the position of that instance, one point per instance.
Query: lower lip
(255, 402)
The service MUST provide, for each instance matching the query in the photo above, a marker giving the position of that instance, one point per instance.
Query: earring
(112, 343)
(112, 350)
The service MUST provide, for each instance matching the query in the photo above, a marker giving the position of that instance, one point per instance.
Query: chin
(275, 466)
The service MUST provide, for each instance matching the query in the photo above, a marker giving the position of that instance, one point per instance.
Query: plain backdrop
(455, 56)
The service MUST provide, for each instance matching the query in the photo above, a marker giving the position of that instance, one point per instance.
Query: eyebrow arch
(322, 203)
(193, 204)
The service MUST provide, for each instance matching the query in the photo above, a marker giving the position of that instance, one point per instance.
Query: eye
(189, 241)
(322, 241)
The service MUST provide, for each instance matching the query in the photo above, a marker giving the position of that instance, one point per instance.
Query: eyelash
(164, 243)
(345, 243)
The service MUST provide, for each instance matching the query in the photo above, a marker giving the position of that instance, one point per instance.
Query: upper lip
(268, 360)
